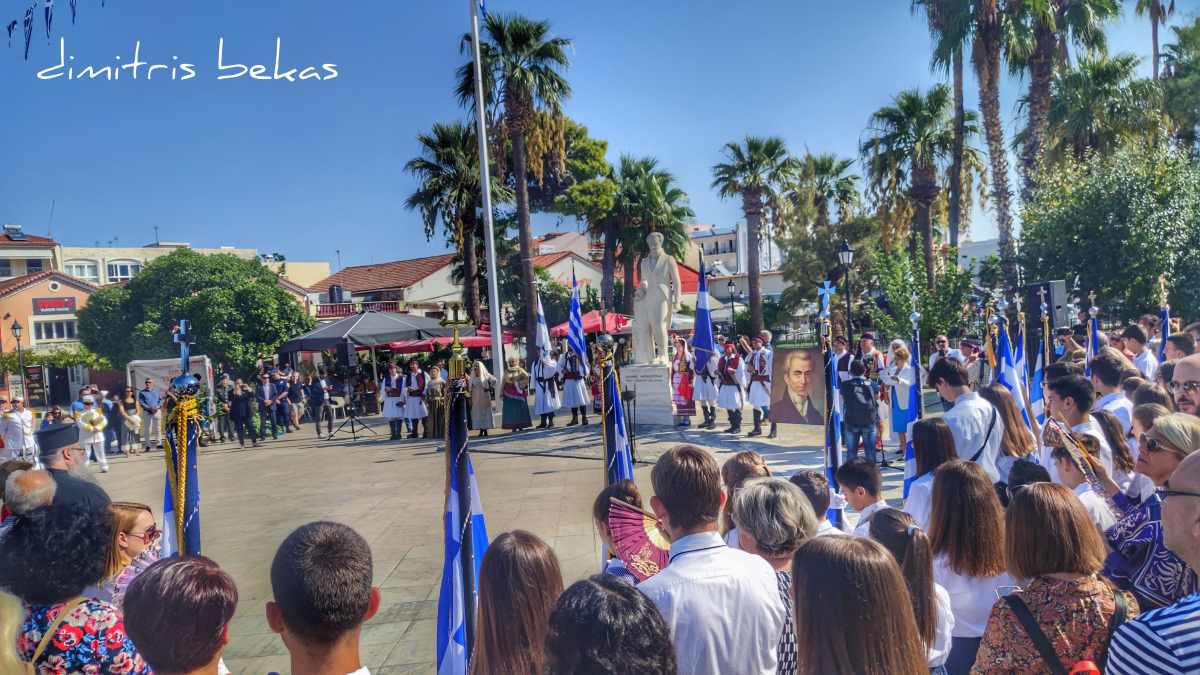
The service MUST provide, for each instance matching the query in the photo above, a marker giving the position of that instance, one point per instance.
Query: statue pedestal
(652, 383)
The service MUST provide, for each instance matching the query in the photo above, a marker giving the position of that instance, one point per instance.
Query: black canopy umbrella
(369, 329)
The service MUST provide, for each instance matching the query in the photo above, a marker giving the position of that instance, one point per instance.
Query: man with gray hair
(59, 450)
(24, 491)
(773, 519)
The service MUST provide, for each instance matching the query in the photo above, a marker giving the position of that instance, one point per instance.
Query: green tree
(943, 308)
(1181, 85)
(810, 257)
(648, 200)
(448, 193)
(908, 144)
(754, 171)
(521, 65)
(828, 180)
(1158, 10)
(236, 308)
(1118, 222)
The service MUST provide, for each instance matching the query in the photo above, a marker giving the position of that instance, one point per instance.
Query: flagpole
(1045, 326)
(489, 237)
(456, 442)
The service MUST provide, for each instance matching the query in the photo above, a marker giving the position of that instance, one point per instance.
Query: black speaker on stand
(347, 367)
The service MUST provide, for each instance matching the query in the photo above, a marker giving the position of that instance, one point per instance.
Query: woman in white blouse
(966, 532)
(900, 376)
(898, 533)
(933, 445)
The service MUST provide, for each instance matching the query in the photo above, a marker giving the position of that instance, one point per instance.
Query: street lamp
(16, 331)
(846, 257)
(732, 288)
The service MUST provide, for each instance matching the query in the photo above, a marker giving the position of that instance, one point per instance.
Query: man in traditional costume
(704, 386)
(482, 385)
(732, 372)
(393, 400)
(415, 411)
(575, 394)
(544, 372)
(759, 364)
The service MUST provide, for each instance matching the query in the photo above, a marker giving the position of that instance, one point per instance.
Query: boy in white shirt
(816, 488)
(862, 486)
(1071, 477)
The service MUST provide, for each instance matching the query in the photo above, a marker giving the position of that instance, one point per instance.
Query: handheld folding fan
(640, 542)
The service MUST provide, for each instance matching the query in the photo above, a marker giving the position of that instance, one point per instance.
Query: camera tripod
(351, 415)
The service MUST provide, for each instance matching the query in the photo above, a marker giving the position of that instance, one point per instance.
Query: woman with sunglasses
(135, 545)
(1139, 561)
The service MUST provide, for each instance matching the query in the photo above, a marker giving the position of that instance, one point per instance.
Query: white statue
(654, 302)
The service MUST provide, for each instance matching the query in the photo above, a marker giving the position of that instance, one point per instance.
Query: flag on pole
(542, 339)
(454, 610)
(181, 486)
(1164, 322)
(703, 342)
(575, 339)
(914, 405)
(1093, 344)
(1008, 375)
(616, 437)
(834, 441)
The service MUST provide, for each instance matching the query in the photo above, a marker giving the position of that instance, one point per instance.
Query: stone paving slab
(393, 494)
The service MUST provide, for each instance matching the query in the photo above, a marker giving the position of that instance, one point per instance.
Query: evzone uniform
(731, 370)
(759, 394)
(704, 388)
(545, 394)
(414, 402)
(392, 387)
(575, 394)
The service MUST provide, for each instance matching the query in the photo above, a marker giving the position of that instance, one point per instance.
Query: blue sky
(307, 168)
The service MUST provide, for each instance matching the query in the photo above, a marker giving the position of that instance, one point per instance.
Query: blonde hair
(12, 616)
(124, 516)
(1180, 430)
(735, 471)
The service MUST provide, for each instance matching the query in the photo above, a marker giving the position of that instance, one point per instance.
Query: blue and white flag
(1093, 345)
(542, 337)
(703, 342)
(1036, 396)
(834, 444)
(575, 337)
(917, 412)
(616, 436)
(190, 537)
(1007, 374)
(1164, 322)
(453, 652)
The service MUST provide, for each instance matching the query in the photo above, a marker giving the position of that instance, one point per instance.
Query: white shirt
(1147, 363)
(1088, 428)
(971, 598)
(732, 540)
(1116, 403)
(722, 606)
(950, 354)
(863, 527)
(826, 529)
(939, 651)
(969, 420)
(920, 500)
(1096, 507)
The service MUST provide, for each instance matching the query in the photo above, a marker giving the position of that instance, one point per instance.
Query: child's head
(626, 491)
(860, 481)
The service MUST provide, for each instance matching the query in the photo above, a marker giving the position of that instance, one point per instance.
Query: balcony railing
(338, 310)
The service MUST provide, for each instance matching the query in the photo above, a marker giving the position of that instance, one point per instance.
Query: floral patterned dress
(1074, 615)
(91, 641)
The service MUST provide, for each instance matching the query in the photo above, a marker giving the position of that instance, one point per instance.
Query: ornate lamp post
(732, 288)
(846, 257)
(16, 331)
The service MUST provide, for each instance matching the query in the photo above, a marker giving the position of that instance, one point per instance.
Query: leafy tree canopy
(235, 307)
(895, 275)
(1119, 221)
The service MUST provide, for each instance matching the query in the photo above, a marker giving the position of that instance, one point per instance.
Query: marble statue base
(652, 382)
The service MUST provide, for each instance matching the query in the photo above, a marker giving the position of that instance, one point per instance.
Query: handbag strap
(1040, 641)
(1120, 610)
(62, 615)
(986, 437)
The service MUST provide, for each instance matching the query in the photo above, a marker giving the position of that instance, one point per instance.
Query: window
(123, 270)
(87, 271)
(33, 265)
(6, 268)
(54, 330)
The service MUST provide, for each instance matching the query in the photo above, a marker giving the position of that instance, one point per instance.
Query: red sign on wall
(43, 306)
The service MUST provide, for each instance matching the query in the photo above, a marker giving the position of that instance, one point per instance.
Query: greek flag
(703, 342)
(1035, 390)
(616, 438)
(1093, 345)
(188, 541)
(1008, 375)
(915, 408)
(833, 433)
(542, 340)
(453, 652)
(1164, 322)
(575, 339)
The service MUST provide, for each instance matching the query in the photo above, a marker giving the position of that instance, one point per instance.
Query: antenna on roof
(156, 235)
(50, 220)
(339, 259)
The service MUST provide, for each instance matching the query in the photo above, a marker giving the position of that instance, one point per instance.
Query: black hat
(56, 437)
(868, 336)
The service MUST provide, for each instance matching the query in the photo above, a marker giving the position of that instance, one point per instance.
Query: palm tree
(909, 143)
(1100, 104)
(827, 177)
(1158, 11)
(1054, 24)
(647, 200)
(448, 194)
(521, 77)
(754, 171)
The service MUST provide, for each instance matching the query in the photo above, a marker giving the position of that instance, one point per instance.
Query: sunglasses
(1191, 386)
(147, 536)
(1153, 445)
(1165, 492)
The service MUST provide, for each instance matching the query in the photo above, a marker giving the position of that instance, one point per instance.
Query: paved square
(393, 494)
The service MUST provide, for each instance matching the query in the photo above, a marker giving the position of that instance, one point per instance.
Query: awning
(430, 344)
(591, 323)
(370, 329)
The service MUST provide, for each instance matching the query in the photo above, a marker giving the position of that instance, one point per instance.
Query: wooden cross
(826, 291)
(1042, 297)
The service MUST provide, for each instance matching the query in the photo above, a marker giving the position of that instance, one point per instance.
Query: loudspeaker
(337, 294)
(347, 357)
(1056, 304)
